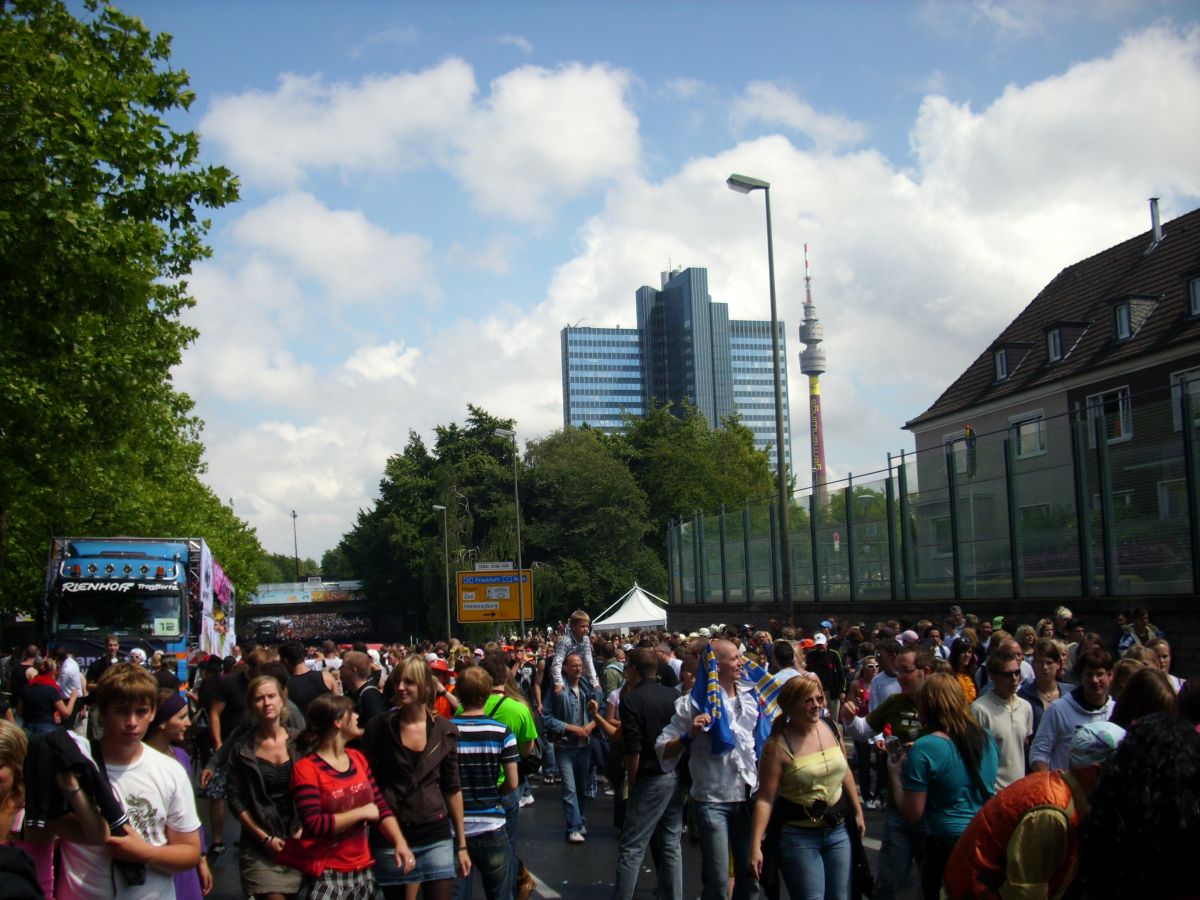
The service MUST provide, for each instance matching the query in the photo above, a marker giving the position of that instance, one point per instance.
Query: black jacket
(248, 790)
(56, 751)
(415, 794)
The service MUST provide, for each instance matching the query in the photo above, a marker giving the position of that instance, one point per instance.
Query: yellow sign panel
(492, 596)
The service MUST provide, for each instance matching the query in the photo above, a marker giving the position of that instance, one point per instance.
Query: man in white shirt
(721, 783)
(783, 661)
(69, 679)
(1008, 717)
(163, 831)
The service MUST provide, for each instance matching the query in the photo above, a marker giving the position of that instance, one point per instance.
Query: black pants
(937, 854)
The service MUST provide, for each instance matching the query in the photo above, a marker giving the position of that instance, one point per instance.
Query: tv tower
(812, 364)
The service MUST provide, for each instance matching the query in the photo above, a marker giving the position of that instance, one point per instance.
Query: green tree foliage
(684, 466)
(587, 523)
(99, 227)
(279, 568)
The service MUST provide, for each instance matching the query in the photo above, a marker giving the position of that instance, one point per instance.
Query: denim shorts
(435, 862)
(218, 785)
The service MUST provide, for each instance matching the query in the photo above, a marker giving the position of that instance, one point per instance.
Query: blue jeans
(512, 808)
(724, 831)
(491, 858)
(573, 764)
(549, 761)
(815, 862)
(901, 845)
(654, 811)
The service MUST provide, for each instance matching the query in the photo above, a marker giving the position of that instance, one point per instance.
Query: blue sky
(431, 191)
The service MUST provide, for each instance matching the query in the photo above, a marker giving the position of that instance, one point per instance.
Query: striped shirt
(484, 747)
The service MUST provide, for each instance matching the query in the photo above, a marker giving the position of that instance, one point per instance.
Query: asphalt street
(563, 871)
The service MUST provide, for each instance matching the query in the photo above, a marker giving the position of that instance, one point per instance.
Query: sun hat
(1094, 742)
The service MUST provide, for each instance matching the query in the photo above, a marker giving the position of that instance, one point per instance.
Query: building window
(1172, 499)
(1117, 412)
(1186, 381)
(1124, 324)
(940, 544)
(1028, 435)
(1001, 362)
(956, 441)
(1194, 296)
(1054, 345)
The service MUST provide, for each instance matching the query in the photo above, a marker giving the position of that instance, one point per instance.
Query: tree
(587, 521)
(99, 228)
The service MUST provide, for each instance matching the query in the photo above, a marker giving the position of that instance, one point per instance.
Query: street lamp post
(744, 184)
(510, 433)
(296, 546)
(446, 564)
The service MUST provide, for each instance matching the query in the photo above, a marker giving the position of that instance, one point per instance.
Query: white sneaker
(527, 800)
(576, 837)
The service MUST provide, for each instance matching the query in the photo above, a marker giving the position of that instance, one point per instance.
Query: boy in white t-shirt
(163, 832)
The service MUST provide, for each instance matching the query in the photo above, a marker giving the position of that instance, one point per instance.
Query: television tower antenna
(812, 364)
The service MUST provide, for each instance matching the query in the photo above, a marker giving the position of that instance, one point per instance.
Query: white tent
(638, 608)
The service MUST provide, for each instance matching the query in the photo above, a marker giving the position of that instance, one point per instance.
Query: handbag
(531, 764)
(300, 853)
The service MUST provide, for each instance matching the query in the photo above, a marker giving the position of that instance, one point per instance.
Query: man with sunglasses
(1008, 717)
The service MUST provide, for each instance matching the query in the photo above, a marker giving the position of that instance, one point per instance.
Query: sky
(431, 191)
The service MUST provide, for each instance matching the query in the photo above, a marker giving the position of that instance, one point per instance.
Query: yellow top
(812, 777)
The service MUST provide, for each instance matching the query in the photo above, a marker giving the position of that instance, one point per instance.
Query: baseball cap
(825, 623)
(819, 640)
(479, 652)
(908, 637)
(1094, 742)
(439, 665)
(998, 622)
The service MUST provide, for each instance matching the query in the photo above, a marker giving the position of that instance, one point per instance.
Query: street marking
(544, 890)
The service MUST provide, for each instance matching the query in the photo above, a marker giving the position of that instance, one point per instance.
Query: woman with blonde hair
(804, 772)
(944, 777)
(413, 753)
(14, 744)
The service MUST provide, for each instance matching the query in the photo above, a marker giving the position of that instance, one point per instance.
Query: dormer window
(1000, 358)
(1054, 342)
(1123, 322)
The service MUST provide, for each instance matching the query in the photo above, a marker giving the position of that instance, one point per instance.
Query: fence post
(775, 579)
(814, 507)
(1107, 537)
(748, 573)
(1189, 469)
(906, 548)
(850, 555)
(1083, 515)
(890, 507)
(701, 561)
(672, 564)
(724, 573)
(956, 564)
(1017, 564)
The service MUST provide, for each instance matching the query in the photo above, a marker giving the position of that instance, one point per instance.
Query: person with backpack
(358, 681)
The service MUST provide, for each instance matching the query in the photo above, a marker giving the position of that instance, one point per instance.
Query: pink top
(41, 854)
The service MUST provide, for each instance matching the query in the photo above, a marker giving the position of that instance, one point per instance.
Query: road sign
(492, 596)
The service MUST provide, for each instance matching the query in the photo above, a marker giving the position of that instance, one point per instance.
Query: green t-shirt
(900, 712)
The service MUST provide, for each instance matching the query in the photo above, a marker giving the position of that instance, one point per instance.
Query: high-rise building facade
(684, 347)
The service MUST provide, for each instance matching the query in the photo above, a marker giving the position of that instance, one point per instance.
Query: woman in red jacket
(337, 800)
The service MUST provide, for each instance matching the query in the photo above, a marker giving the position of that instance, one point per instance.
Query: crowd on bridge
(1009, 759)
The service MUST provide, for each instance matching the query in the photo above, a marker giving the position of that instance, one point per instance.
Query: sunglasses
(871, 666)
(1013, 673)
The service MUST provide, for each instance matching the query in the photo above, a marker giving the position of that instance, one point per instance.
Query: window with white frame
(1054, 351)
(957, 442)
(941, 544)
(1172, 499)
(1194, 297)
(1124, 322)
(1117, 412)
(1187, 381)
(1028, 434)
(1000, 361)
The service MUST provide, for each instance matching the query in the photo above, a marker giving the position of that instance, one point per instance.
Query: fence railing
(1100, 502)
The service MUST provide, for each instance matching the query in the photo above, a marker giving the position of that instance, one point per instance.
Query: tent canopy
(638, 608)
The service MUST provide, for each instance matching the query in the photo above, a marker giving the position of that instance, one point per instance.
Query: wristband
(267, 838)
(462, 849)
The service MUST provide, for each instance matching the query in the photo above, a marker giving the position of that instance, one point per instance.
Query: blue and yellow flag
(710, 699)
(766, 694)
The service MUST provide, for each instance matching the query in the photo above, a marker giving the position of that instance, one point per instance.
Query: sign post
(491, 596)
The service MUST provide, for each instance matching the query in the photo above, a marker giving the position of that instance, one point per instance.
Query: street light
(446, 563)
(744, 184)
(510, 433)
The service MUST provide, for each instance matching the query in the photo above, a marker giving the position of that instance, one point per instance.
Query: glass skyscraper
(685, 346)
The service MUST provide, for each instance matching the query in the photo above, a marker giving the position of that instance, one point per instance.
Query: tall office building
(685, 346)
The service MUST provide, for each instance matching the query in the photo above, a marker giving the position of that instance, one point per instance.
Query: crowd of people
(1032, 760)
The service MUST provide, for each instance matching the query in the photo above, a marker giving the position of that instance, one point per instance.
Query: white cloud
(684, 88)
(383, 363)
(1016, 20)
(540, 136)
(354, 259)
(390, 37)
(515, 40)
(773, 104)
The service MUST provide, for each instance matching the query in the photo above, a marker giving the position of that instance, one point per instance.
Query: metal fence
(1079, 505)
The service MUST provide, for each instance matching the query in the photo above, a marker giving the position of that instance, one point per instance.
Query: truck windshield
(124, 607)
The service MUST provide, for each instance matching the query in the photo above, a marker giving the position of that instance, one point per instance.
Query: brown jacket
(417, 793)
